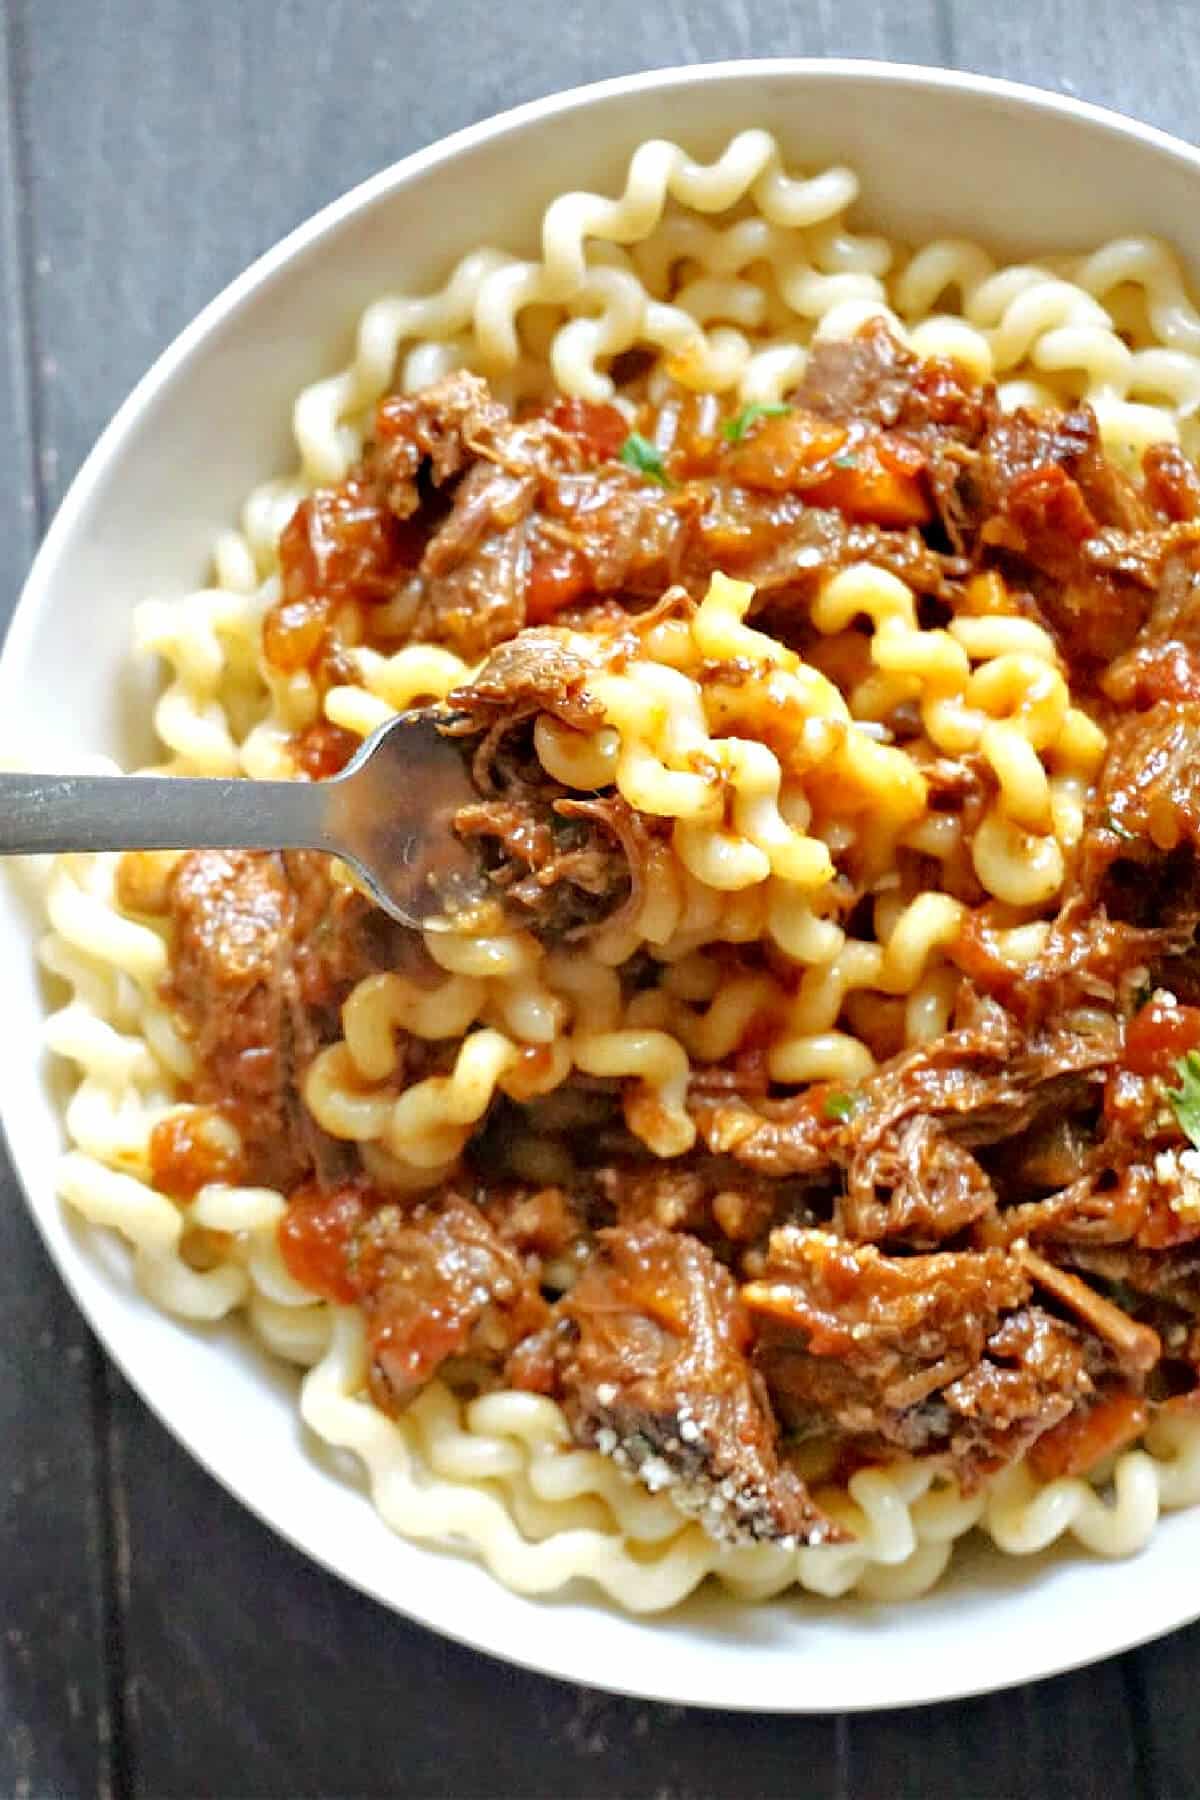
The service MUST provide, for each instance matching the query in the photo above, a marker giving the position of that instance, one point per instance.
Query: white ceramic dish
(938, 153)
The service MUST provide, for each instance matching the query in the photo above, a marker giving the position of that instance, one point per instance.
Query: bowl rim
(556, 1661)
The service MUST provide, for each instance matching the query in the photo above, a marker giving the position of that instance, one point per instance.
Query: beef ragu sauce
(991, 1246)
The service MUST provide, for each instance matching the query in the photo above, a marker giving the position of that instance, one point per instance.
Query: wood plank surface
(153, 147)
(56, 1618)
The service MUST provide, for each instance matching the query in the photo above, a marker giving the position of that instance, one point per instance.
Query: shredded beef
(912, 1184)
(233, 989)
(1103, 1208)
(990, 1245)
(469, 589)
(786, 547)
(932, 1354)
(264, 950)
(524, 520)
(1032, 1375)
(1085, 961)
(1163, 662)
(710, 1196)
(536, 671)
(849, 1336)
(564, 863)
(438, 1282)
(981, 1083)
(1139, 855)
(441, 430)
(653, 1371)
(561, 864)
(1045, 496)
(872, 376)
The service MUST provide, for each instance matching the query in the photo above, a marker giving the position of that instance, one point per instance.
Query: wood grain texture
(55, 1717)
(163, 144)
(175, 142)
(1163, 1680)
(1074, 1736)
(276, 1680)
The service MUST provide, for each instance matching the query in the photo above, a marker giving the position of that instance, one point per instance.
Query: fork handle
(157, 812)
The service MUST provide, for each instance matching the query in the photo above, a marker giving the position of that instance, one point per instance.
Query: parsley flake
(847, 460)
(842, 1106)
(1143, 995)
(736, 428)
(1119, 829)
(1185, 1099)
(637, 452)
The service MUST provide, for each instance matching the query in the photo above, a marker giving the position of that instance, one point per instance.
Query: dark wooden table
(154, 1638)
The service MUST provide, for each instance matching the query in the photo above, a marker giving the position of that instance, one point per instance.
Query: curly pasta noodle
(727, 272)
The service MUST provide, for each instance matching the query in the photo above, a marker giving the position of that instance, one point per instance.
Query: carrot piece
(1085, 1437)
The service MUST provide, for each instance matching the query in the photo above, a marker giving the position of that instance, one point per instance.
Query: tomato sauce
(1158, 1035)
(190, 1150)
(316, 1234)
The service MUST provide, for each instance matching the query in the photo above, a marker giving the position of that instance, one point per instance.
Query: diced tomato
(322, 749)
(600, 429)
(1045, 502)
(1085, 1437)
(556, 578)
(294, 633)
(188, 1150)
(1158, 1035)
(900, 456)
(315, 1237)
(343, 543)
(342, 546)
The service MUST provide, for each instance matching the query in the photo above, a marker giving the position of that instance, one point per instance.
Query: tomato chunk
(556, 578)
(315, 1238)
(1158, 1035)
(322, 749)
(601, 430)
(188, 1150)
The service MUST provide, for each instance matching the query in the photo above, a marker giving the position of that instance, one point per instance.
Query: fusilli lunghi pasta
(767, 766)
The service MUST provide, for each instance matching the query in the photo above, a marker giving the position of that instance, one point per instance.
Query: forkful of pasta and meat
(388, 815)
(419, 815)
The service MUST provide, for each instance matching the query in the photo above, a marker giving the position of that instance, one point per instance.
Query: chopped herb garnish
(847, 460)
(637, 452)
(1185, 1099)
(736, 428)
(1143, 996)
(1118, 829)
(842, 1106)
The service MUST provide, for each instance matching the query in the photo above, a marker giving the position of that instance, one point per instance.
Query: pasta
(844, 816)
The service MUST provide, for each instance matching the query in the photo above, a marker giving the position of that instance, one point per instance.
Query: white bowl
(938, 153)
